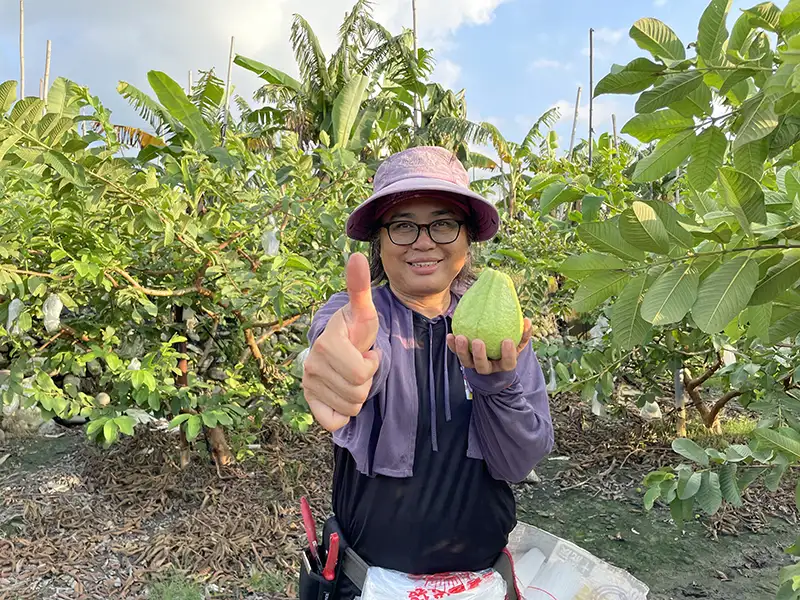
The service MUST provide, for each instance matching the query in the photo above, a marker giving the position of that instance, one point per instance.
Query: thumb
(360, 314)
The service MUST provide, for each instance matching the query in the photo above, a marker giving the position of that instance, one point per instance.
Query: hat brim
(361, 223)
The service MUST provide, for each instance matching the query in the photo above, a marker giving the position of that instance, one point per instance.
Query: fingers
(460, 346)
(360, 313)
(482, 363)
(527, 332)
(343, 359)
(476, 358)
(337, 380)
(328, 418)
(320, 391)
(508, 361)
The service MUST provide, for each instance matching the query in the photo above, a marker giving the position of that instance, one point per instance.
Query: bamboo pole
(47, 69)
(416, 95)
(591, 90)
(41, 88)
(189, 89)
(575, 122)
(614, 126)
(228, 91)
(21, 49)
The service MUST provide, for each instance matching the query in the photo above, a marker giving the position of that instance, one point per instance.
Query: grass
(735, 430)
(175, 587)
(267, 582)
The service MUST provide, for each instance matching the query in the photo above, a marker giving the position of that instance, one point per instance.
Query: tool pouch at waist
(313, 586)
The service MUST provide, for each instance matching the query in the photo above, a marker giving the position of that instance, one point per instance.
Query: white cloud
(447, 73)
(604, 40)
(604, 35)
(547, 63)
(437, 20)
(659, 3)
(196, 34)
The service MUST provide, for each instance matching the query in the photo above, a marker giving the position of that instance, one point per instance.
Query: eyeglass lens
(442, 231)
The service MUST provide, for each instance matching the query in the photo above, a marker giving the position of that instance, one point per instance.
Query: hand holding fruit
(489, 331)
(338, 372)
(476, 358)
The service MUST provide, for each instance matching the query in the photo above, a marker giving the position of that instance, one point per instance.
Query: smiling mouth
(428, 263)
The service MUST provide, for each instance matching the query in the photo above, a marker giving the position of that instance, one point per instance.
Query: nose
(424, 241)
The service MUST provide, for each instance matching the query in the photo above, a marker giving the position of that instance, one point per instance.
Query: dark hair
(463, 280)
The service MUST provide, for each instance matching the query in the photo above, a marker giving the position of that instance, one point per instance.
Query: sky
(515, 58)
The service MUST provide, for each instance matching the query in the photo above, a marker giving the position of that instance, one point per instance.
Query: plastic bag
(270, 243)
(52, 313)
(385, 584)
(550, 568)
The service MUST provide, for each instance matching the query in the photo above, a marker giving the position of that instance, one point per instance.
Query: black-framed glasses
(441, 231)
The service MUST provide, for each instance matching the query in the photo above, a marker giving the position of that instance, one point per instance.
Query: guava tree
(720, 259)
(167, 280)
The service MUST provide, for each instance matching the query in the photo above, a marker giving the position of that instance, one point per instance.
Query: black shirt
(452, 515)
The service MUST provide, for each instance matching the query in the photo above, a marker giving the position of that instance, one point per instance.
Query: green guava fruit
(489, 311)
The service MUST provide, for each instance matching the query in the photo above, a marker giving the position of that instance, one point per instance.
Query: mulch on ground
(608, 457)
(101, 523)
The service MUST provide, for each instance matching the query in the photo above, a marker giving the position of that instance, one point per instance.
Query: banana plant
(518, 160)
(343, 96)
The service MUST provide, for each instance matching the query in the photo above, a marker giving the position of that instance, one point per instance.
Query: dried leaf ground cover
(93, 523)
(100, 524)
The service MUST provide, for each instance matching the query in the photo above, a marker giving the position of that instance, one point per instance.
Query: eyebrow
(407, 215)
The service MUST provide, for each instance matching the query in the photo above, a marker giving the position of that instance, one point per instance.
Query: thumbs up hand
(338, 372)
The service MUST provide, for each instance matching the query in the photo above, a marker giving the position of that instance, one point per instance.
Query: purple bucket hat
(419, 170)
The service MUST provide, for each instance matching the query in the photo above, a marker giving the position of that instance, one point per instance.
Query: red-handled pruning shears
(311, 530)
(333, 555)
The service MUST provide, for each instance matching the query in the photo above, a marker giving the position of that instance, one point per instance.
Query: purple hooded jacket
(510, 428)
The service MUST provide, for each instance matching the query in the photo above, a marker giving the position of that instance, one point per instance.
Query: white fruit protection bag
(385, 584)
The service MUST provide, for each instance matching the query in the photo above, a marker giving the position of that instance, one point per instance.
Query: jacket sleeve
(320, 321)
(512, 417)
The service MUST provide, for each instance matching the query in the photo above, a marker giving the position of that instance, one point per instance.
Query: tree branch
(719, 405)
(197, 288)
(274, 327)
(34, 273)
(696, 383)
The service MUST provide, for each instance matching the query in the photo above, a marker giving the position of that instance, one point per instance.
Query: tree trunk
(219, 446)
(680, 402)
(182, 380)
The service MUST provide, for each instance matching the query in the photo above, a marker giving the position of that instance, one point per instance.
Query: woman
(428, 432)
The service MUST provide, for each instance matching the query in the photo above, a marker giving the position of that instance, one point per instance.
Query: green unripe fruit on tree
(489, 311)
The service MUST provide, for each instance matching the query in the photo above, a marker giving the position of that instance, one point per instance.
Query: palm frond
(266, 116)
(481, 161)
(498, 141)
(208, 94)
(133, 137)
(392, 55)
(244, 108)
(309, 55)
(275, 93)
(459, 130)
(548, 119)
(150, 110)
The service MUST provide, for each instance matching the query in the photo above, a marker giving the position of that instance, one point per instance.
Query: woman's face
(423, 268)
